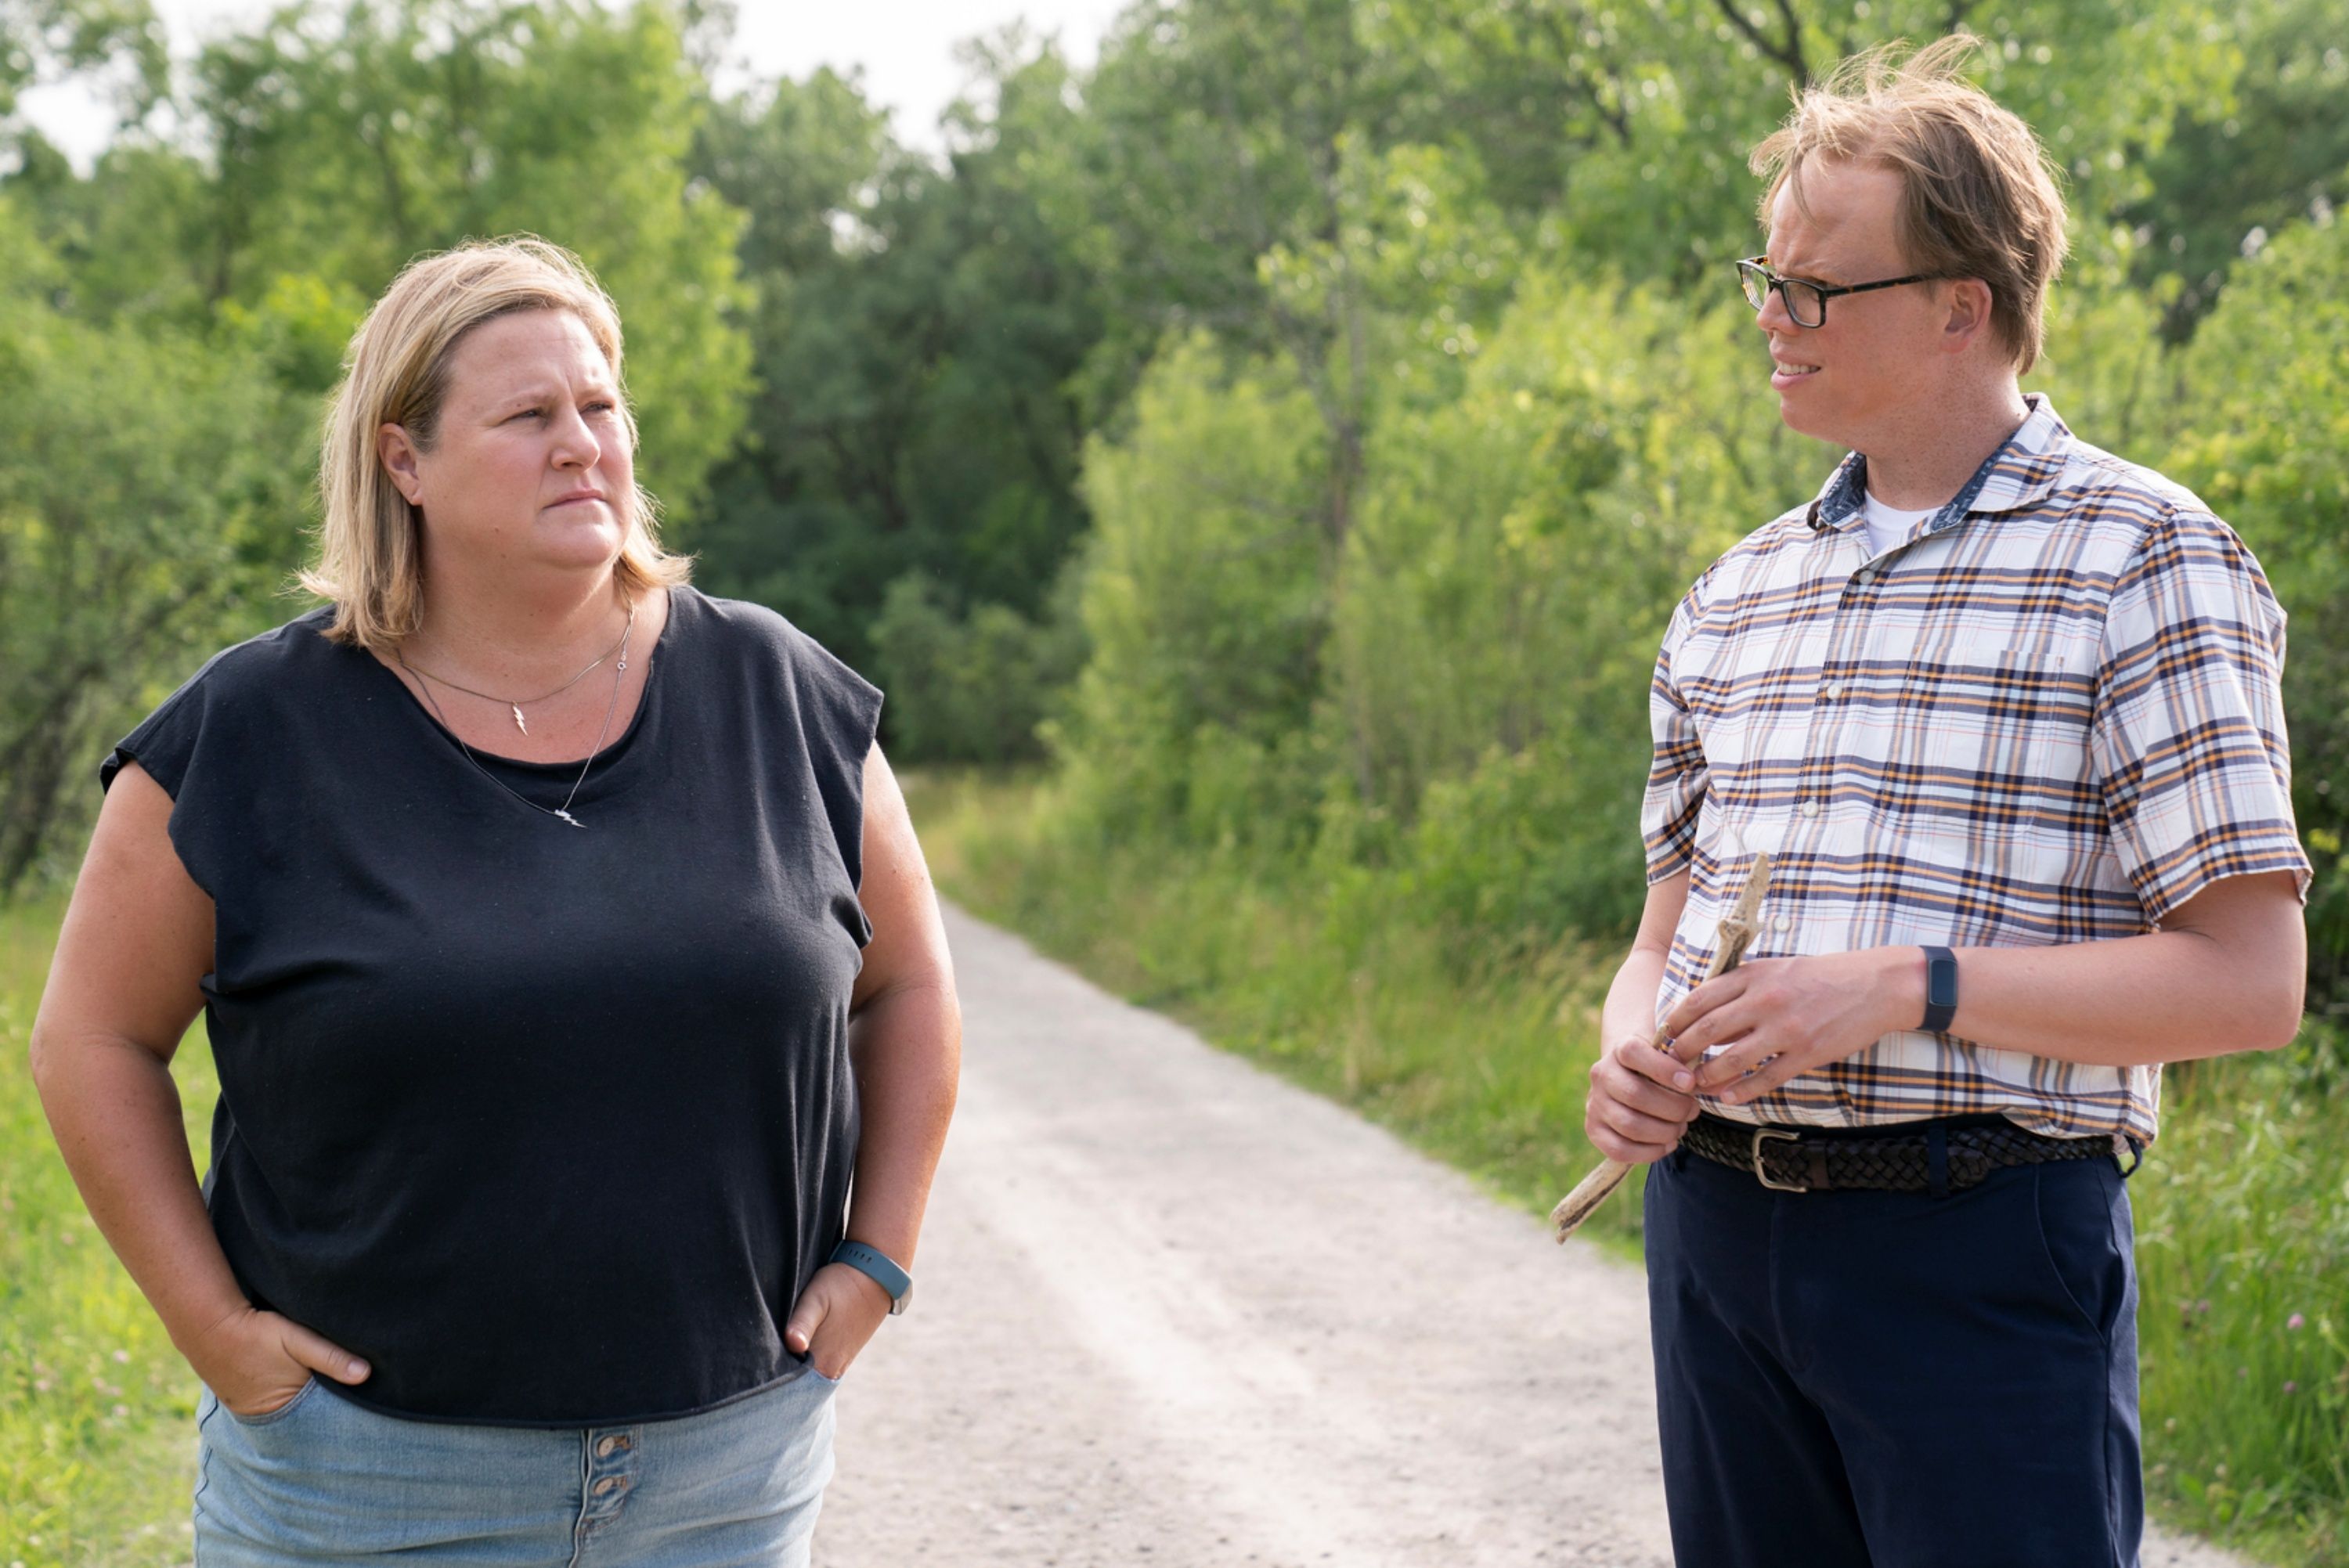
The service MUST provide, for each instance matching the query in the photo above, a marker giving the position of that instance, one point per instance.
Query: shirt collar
(2017, 476)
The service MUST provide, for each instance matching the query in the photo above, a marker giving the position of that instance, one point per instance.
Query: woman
(564, 949)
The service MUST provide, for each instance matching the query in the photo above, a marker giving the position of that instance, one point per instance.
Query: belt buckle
(1762, 1134)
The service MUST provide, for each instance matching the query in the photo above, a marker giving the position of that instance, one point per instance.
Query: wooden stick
(1736, 932)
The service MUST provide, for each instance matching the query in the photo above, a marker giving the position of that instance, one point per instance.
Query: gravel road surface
(1176, 1311)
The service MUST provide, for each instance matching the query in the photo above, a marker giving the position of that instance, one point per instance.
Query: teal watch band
(872, 1263)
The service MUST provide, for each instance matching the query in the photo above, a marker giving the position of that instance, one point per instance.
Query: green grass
(2243, 1259)
(97, 1409)
(1330, 978)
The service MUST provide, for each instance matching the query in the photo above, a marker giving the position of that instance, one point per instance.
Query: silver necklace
(515, 704)
(564, 811)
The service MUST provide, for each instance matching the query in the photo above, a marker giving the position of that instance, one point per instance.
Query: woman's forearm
(116, 1113)
(907, 1045)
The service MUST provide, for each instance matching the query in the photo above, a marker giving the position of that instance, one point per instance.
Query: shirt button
(1835, 691)
(1867, 576)
(1785, 922)
(1810, 808)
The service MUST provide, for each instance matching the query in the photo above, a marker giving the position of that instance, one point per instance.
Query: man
(2004, 710)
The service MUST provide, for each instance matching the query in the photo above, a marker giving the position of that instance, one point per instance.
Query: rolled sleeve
(2188, 735)
(1677, 776)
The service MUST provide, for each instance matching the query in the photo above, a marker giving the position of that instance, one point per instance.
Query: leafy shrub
(973, 688)
(1203, 604)
(146, 518)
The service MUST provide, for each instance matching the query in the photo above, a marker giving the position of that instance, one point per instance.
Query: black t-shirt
(551, 1124)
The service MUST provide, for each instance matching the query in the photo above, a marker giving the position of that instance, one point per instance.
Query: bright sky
(904, 46)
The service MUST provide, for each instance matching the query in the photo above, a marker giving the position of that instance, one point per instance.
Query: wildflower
(125, 1355)
(2295, 1321)
(2202, 1305)
(2290, 1387)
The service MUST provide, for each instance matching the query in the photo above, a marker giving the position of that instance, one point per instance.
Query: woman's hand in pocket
(256, 1362)
(841, 1309)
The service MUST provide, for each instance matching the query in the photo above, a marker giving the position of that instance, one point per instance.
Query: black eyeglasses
(1807, 301)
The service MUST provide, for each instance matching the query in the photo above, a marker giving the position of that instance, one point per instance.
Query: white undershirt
(1888, 526)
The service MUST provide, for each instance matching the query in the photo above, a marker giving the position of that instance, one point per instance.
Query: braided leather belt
(1785, 1161)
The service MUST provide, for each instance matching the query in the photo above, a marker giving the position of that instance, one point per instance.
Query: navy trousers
(1861, 1379)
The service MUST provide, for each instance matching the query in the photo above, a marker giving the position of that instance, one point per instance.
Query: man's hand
(840, 1310)
(1641, 1100)
(1781, 1017)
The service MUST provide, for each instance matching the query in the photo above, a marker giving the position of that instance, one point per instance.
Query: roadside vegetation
(97, 1409)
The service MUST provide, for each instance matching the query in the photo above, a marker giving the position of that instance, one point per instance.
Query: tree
(42, 41)
(348, 143)
(168, 325)
(1203, 600)
(917, 329)
(2240, 166)
(145, 517)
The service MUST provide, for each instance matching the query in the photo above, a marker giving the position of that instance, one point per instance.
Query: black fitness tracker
(1941, 989)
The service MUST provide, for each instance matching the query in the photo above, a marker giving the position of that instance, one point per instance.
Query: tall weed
(97, 1409)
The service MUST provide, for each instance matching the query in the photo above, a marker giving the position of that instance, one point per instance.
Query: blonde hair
(1981, 198)
(370, 560)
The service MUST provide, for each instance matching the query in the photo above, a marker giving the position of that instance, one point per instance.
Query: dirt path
(1176, 1311)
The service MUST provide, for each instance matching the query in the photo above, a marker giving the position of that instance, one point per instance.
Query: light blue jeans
(321, 1481)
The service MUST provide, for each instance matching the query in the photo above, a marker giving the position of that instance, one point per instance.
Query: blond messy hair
(1979, 196)
(396, 372)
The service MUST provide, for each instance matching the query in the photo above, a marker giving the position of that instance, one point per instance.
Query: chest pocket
(1993, 737)
(1960, 668)
(1985, 677)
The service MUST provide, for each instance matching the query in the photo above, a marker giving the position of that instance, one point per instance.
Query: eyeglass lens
(1804, 302)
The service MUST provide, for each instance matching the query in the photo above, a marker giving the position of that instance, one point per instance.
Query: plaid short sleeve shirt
(2051, 714)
